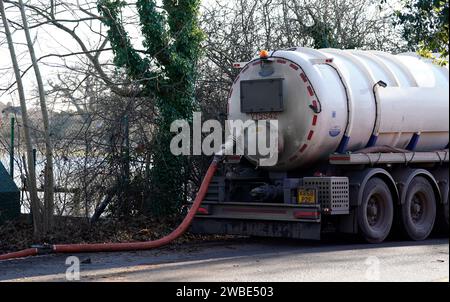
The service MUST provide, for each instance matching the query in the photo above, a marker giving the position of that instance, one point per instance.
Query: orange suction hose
(128, 246)
(20, 254)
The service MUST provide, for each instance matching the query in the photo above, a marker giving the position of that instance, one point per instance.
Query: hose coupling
(43, 249)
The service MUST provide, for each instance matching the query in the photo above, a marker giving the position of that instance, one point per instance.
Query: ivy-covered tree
(166, 72)
(425, 26)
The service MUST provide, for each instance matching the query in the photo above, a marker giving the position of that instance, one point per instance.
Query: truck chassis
(356, 193)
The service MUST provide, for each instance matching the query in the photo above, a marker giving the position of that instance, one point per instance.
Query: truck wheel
(418, 212)
(376, 212)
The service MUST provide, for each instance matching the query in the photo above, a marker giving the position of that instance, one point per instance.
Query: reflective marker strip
(202, 211)
(239, 65)
(321, 61)
(304, 214)
(314, 105)
(303, 148)
(254, 210)
(340, 158)
(303, 76)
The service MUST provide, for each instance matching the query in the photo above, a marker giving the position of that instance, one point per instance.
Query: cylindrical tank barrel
(332, 100)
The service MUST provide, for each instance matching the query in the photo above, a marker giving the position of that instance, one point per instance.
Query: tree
(166, 72)
(48, 209)
(31, 173)
(425, 26)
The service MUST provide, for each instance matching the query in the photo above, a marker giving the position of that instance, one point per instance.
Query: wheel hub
(372, 212)
(416, 209)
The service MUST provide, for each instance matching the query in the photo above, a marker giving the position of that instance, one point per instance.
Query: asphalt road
(246, 259)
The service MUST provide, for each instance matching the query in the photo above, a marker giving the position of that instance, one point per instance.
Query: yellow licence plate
(307, 196)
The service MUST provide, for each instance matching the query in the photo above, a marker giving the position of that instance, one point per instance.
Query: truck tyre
(376, 211)
(418, 212)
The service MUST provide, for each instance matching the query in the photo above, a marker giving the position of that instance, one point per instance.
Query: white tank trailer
(363, 145)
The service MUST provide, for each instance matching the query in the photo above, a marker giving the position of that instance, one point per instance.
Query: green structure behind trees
(9, 197)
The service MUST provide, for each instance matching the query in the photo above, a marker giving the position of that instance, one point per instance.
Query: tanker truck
(363, 142)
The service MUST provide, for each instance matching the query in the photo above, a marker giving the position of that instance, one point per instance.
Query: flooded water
(62, 171)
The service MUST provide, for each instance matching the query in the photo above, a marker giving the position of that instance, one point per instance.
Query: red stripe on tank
(303, 76)
(303, 148)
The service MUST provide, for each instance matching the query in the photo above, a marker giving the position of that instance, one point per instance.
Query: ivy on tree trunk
(166, 73)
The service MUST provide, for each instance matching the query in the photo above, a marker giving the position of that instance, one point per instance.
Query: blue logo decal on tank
(335, 131)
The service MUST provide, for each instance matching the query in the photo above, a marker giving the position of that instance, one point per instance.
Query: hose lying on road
(127, 246)
(20, 254)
